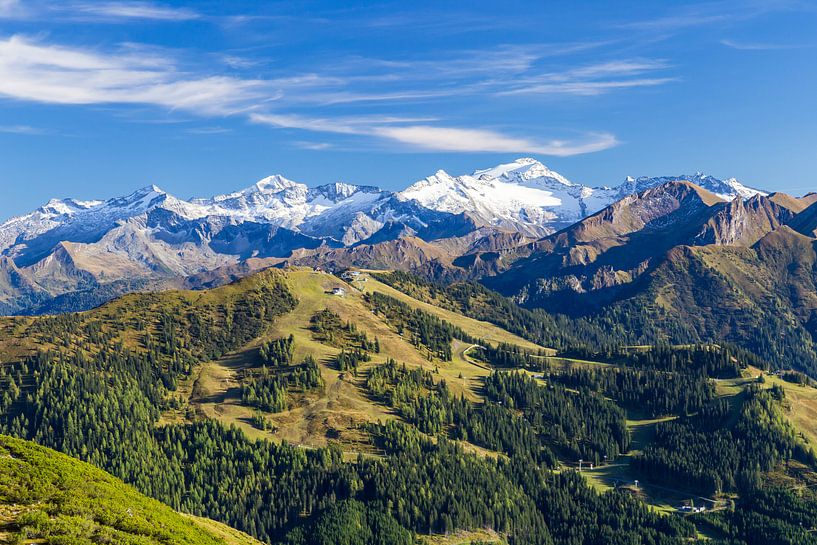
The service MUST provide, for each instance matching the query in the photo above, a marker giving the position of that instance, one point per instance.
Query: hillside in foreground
(48, 497)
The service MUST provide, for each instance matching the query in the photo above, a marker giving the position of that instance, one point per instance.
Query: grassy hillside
(48, 497)
(336, 412)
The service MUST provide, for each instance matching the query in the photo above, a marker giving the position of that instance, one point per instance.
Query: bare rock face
(744, 222)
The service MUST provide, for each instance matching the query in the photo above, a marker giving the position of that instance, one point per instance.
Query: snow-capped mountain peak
(274, 184)
(339, 191)
(65, 207)
(741, 190)
(252, 196)
(140, 199)
(510, 196)
(524, 171)
(727, 189)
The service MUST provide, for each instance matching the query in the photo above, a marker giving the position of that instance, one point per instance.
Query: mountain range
(73, 254)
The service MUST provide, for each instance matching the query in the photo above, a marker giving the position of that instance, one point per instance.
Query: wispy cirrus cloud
(23, 129)
(131, 11)
(315, 146)
(487, 73)
(95, 12)
(482, 140)
(39, 72)
(678, 22)
(719, 12)
(759, 46)
(36, 71)
(593, 79)
(437, 138)
(208, 130)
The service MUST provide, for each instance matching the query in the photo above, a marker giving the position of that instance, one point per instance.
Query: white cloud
(678, 22)
(480, 140)
(437, 138)
(592, 79)
(46, 73)
(208, 130)
(287, 121)
(756, 46)
(22, 129)
(488, 72)
(717, 12)
(585, 88)
(315, 146)
(133, 10)
(97, 12)
(617, 68)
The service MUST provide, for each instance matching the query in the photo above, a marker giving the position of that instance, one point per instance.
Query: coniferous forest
(99, 387)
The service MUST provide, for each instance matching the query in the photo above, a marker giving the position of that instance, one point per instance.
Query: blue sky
(98, 98)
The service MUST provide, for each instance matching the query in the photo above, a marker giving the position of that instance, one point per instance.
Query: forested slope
(427, 412)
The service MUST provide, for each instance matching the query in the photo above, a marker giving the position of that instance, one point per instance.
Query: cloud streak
(591, 80)
(722, 13)
(756, 46)
(436, 138)
(132, 11)
(45, 73)
(478, 75)
(95, 12)
(23, 129)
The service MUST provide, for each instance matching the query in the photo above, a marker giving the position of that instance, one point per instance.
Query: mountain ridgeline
(73, 255)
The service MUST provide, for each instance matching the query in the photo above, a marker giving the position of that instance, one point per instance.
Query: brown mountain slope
(609, 251)
(795, 204)
(806, 221)
(762, 297)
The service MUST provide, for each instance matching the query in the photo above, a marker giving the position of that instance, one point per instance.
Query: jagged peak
(523, 170)
(265, 186)
(682, 188)
(151, 188)
(66, 206)
(273, 183)
(726, 189)
(341, 190)
(140, 199)
(438, 178)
